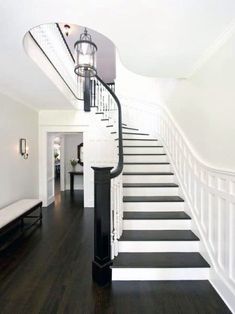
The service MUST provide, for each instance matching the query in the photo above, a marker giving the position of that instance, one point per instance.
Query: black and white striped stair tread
(150, 185)
(158, 235)
(148, 173)
(155, 215)
(144, 199)
(160, 260)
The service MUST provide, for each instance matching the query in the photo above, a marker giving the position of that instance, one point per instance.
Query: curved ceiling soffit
(47, 39)
(128, 18)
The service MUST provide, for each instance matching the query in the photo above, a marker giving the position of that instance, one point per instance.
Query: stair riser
(141, 143)
(134, 274)
(143, 150)
(153, 206)
(147, 168)
(135, 136)
(157, 246)
(148, 178)
(145, 158)
(150, 191)
(156, 224)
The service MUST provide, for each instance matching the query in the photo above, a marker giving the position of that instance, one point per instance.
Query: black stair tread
(144, 154)
(160, 260)
(104, 119)
(127, 128)
(152, 146)
(155, 215)
(138, 139)
(99, 113)
(158, 235)
(109, 126)
(137, 199)
(146, 163)
(131, 133)
(150, 185)
(148, 173)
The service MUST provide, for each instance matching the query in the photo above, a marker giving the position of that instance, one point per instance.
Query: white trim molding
(210, 198)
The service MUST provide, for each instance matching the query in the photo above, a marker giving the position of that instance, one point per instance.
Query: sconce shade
(85, 53)
(23, 148)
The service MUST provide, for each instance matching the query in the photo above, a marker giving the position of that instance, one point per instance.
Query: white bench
(18, 211)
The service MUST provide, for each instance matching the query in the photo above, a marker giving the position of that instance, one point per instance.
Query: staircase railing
(108, 190)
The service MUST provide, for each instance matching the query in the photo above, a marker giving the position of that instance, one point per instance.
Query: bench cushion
(15, 210)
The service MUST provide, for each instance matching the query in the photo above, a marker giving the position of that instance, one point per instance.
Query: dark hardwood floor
(49, 271)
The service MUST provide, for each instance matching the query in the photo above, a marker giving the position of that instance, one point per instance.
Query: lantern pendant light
(85, 54)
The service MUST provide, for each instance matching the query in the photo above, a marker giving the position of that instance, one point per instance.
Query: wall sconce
(67, 29)
(23, 148)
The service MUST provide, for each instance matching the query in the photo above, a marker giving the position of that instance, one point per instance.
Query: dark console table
(72, 174)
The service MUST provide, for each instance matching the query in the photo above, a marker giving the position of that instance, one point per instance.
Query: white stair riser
(135, 136)
(144, 191)
(132, 274)
(168, 224)
(141, 143)
(147, 168)
(145, 158)
(143, 150)
(153, 206)
(157, 246)
(148, 178)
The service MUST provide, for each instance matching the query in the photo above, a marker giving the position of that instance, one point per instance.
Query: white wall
(19, 177)
(204, 107)
(134, 86)
(71, 141)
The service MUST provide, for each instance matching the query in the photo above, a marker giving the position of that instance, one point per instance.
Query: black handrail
(57, 71)
(114, 173)
(65, 42)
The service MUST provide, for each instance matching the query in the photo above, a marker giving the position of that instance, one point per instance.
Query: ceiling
(157, 38)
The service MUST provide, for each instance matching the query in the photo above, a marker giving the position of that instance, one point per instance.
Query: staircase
(156, 243)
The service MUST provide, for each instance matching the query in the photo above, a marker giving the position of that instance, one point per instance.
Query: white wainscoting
(209, 194)
(210, 197)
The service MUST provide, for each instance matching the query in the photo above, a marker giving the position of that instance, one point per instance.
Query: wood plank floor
(49, 271)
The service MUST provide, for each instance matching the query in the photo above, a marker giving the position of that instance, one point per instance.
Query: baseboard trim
(223, 290)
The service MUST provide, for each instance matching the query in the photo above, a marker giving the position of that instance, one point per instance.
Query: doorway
(64, 159)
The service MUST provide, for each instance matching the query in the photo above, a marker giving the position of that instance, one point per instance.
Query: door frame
(44, 131)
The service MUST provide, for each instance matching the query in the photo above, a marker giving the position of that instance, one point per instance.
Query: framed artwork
(80, 154)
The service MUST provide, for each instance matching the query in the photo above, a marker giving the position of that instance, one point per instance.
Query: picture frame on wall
(80, 154)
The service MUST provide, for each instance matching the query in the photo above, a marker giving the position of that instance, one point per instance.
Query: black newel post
(101, 271)
(87, 93)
